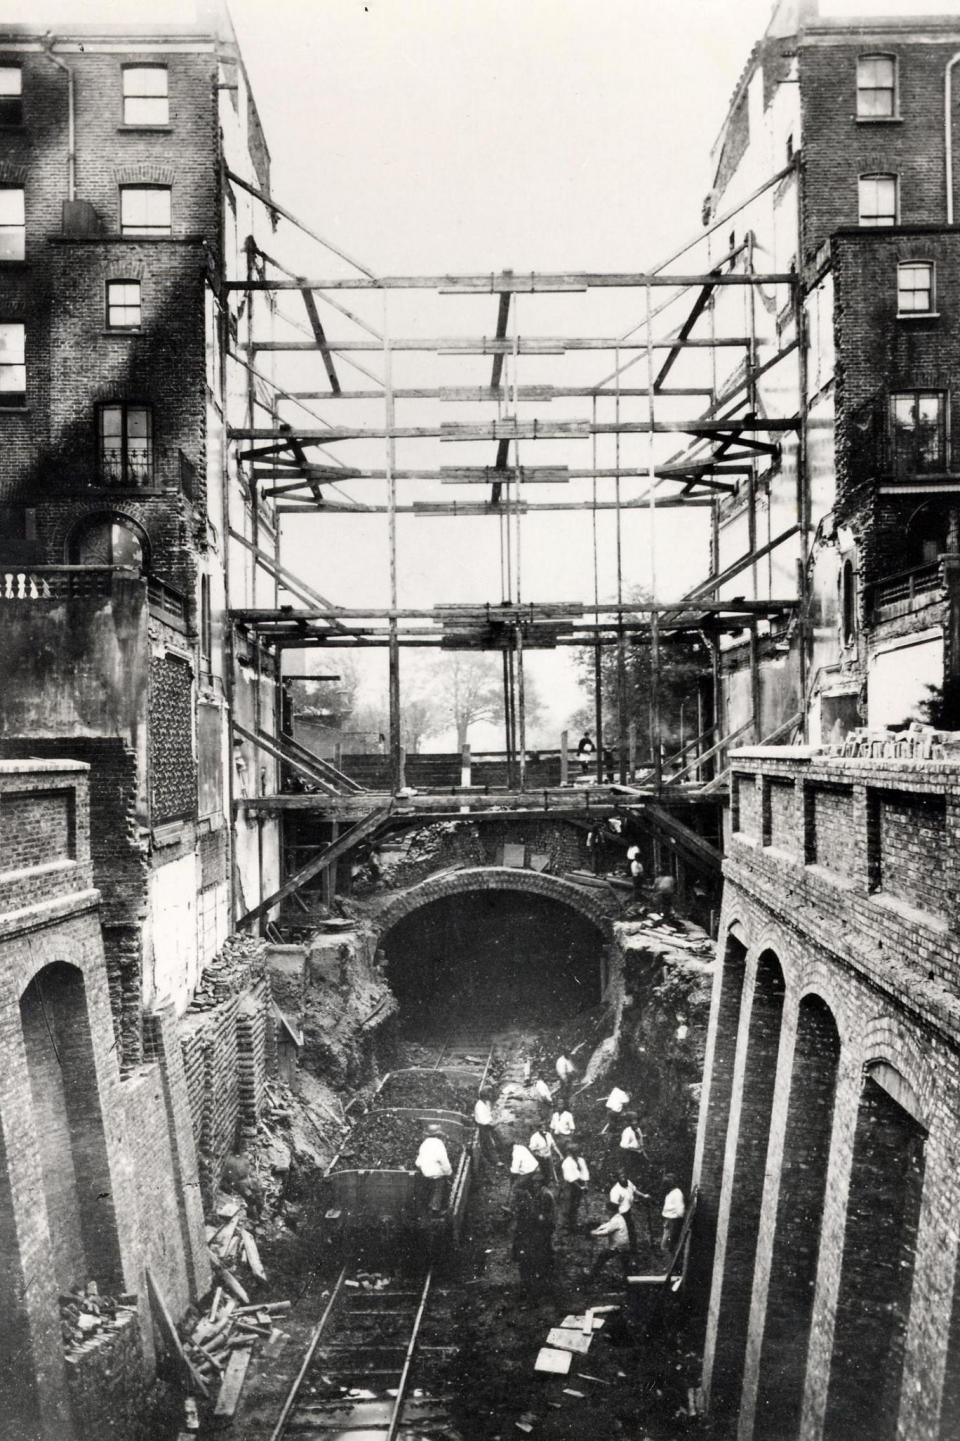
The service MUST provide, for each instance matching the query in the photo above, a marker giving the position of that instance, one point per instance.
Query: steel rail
(290, 1400)
(402, 1384)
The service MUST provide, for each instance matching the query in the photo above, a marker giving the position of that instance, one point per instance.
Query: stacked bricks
(252, 1054)
(105, 1379)
(213, 1035)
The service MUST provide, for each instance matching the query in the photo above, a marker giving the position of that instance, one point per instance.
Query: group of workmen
(550, 1177)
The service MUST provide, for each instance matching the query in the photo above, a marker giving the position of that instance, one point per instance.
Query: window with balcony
(876, 87)
(123, 304)
(877, 195)
(126, 445)
(145, 210)
(145, 96)
(13, 226)
(11, 95)
(13, 370)
(918, 432)
(915, 288)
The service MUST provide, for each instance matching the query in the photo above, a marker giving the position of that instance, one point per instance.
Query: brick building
(126, 529)
(825, 1262)
(855, 514)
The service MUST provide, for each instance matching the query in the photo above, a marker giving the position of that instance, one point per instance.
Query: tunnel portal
(500, 956)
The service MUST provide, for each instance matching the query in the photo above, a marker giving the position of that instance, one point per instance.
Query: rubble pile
(86, 1316)
(241, 961)
(389, 1141)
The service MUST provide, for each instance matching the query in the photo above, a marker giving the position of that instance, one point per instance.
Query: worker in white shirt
(486, 1135)
(617, 1237)
(624, 1193)
(544, 1096)
(433, 1170)
(635, 866)
(630, 1152)
(542, 1145)
(575, 1175)
(616, 1101)
(523, 1165)
(674, 1210)
(562, 1123)
(566, 1071)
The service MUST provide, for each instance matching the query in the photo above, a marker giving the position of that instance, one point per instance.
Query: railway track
(356, 1379)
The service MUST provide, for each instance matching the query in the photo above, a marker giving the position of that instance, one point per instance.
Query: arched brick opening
(876, 1273)
(69, 1129)
(494, 942)
(730, 981)
(495, 878)
(796, 1246)
(753, 1133)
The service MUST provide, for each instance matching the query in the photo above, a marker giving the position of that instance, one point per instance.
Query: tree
(458, 689)
(684, 672)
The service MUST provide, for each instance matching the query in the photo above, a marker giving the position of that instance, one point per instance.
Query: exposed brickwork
(803, 1179)
(830, 831)
(595, 910)
(749, 1127)
(886, 974)
(910, 836)
(35, 829)
(780, 826)
(119, 866)
(873, 1305)
(106, 1383)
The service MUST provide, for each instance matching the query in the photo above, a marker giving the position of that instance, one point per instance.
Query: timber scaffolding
(729, 437)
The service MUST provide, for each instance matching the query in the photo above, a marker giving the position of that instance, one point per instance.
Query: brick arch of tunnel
(496, 938)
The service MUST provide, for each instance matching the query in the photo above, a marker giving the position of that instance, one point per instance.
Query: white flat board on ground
(568, 1340)
(556, 1362)
(577, 1323)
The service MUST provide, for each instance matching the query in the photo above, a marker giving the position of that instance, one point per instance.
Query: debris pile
(242, 960)
(227, 1326)
(417, 1087)
(85, 1316)
(387, 1140)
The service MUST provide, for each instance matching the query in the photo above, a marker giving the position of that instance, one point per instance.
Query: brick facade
(849, 1296)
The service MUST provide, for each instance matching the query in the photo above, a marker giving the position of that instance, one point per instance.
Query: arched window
(848, 603)
(108, 540)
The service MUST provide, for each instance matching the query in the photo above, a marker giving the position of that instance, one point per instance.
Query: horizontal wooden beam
(471, 393)
(517, 430)
(512, 614)
(515, 283)
(488, 474)
(473, 508)
(491, 345)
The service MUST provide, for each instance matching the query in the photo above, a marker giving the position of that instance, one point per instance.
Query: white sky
(426, 136)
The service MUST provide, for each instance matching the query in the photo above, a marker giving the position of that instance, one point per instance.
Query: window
(123, 304)
(878, 199)
(126, 445)
(915, 288)
(876, 87)
(145, 210)
(145, 100)
(917, 419)
(848, 603)
(12, 223)
(13, 370)
(11, 95)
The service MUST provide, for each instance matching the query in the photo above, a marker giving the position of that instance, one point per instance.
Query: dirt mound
(383, 1140)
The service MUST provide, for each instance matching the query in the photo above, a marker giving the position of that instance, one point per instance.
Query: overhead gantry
(727, 429)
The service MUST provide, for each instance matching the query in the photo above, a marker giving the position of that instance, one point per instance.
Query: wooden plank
(252, 1253)
(508, 282)
(525, 430)
(489, 345)
(232, 1383)
(320, 336)
(191, 1379)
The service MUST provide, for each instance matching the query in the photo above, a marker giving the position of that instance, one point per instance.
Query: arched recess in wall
(753, 1134)
(879, 1252)
(796, 1243)
(727, 1023)
(108, 538)
(69, 1129)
